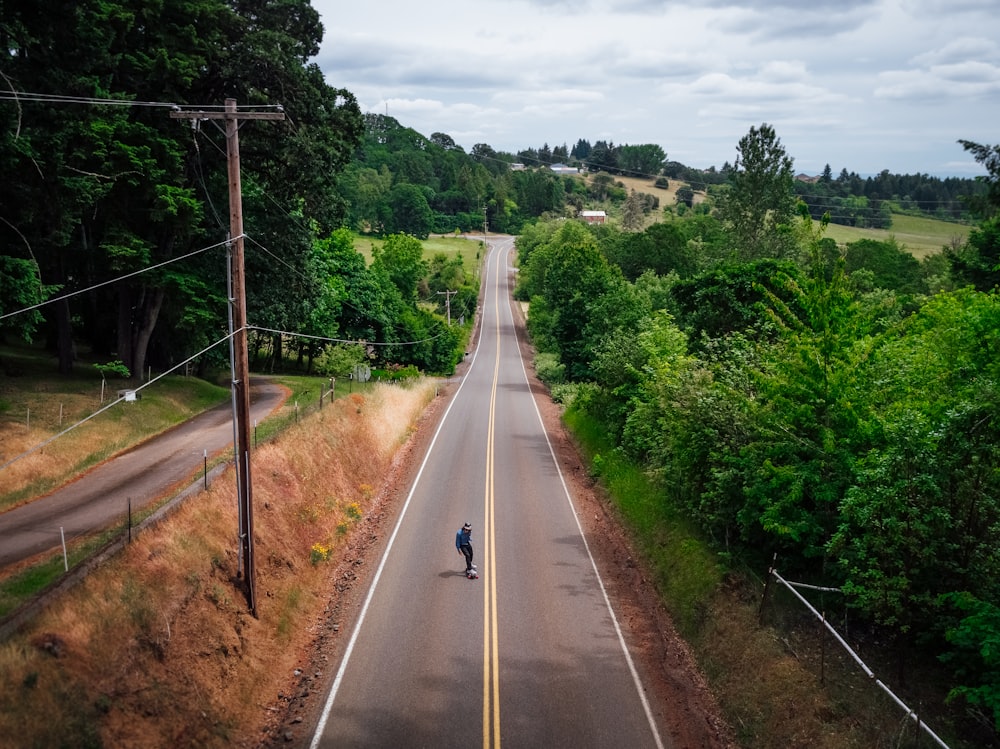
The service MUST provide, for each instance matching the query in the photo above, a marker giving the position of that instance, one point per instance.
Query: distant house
(516, 166)
(806, 178)
(594, 217)
(563, 169)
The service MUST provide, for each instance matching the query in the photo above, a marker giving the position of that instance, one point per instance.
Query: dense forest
(114, 214)
(836, 406)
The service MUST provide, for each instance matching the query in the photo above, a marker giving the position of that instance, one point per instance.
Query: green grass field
(469, 249)
(921, 236)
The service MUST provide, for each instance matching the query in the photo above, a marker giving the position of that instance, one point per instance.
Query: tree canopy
(96, 186)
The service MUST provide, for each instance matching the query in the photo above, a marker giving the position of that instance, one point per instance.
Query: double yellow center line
(491, 657)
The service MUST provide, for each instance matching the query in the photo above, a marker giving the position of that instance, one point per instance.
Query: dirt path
(135, 477)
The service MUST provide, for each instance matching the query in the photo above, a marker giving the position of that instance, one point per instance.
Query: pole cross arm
(202, 115)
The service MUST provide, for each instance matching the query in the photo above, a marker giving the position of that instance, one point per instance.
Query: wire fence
(836, 664)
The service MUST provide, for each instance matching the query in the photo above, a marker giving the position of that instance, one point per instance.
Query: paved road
(529, 654)
(100, 497)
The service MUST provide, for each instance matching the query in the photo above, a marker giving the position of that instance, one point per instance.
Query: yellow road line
(491, 650)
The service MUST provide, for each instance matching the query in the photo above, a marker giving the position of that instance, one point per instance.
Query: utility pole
(447, 302)
(241, 362)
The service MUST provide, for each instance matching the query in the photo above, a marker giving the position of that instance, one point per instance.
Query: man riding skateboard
(463, 542)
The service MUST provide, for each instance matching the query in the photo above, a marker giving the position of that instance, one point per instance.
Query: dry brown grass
(648, 186)
(771, 698)
(156, 648)
(768, 680)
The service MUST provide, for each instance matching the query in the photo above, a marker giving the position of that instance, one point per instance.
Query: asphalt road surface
(101, 497)
(530, 654)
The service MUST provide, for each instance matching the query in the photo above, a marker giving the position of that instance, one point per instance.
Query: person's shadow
(452, 573)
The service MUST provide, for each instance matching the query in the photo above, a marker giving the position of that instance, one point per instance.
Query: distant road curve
(100, 496)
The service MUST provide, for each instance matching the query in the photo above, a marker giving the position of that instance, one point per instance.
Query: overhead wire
(27, 96)
(344, 340)
(30, 96)
(200, 173)
(70, 294)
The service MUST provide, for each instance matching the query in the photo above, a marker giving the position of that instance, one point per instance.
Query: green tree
(798, 464)
(401, 257)
(409, 212)
(103, 190)
(643, 160)
(974, 654)
(759, 207)
(633, 214)
(733, 298)
(922, 520)
(567, 275)
(892, 267)
(989, 156)
(977, 261)
(662, 248)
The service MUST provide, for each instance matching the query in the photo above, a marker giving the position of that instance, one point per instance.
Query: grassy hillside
(921, 236)
(36, 403)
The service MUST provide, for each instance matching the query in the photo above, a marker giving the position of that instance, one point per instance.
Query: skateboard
(473, 574)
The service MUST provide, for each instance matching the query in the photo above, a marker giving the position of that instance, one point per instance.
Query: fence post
(822, 650)
(767, 588)
(62, 536)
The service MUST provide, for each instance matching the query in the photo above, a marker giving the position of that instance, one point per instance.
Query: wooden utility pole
(241, 363)
(447, 302)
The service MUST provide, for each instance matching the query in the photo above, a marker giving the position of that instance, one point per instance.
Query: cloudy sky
(859, 84)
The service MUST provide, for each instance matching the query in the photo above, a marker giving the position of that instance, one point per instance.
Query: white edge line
(321, 725)
(607, 600)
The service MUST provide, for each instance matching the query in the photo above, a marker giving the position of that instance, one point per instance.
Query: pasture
(921, 236)
(450, 245)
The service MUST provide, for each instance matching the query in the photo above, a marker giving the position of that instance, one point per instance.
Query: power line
(344, 340)
(113, 280)
(29, 96)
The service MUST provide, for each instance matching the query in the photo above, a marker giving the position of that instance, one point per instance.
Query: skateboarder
(463, 542)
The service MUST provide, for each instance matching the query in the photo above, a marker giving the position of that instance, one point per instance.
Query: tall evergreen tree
(759, 206)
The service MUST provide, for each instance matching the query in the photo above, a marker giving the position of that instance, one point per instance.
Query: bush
(549, 369)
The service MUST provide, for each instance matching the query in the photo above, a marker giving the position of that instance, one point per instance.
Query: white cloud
(963, 82)
(867, 84)
(960, 50)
